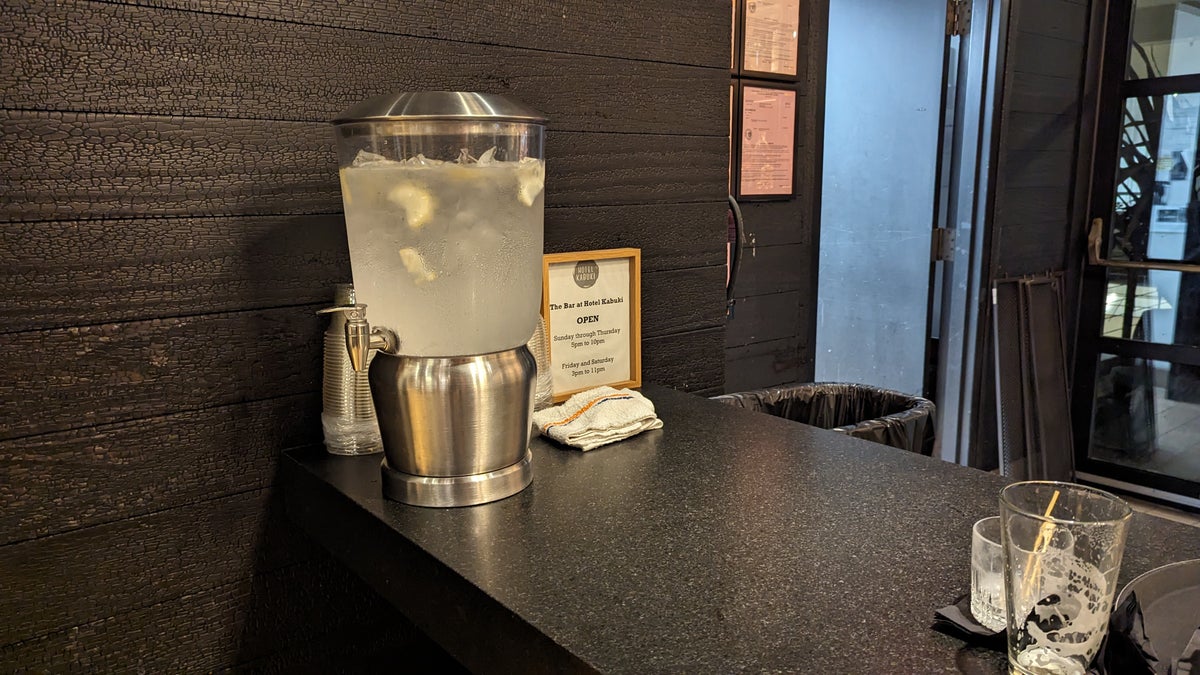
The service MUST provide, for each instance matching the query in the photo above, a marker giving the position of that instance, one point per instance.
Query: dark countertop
(729, 540)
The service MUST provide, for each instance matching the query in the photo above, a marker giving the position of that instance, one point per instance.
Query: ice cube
(488, 157)
(422, 160)
(364, 158)
(416, 202)
(531, 179)
(415, 264)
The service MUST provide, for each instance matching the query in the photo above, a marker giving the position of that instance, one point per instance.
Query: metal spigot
(360, 338)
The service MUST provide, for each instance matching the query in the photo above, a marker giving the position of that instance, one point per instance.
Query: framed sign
(592, 303)
(770, 36)
(766, 153)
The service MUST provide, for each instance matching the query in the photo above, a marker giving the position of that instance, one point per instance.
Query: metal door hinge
(958, 17)
(942, 245)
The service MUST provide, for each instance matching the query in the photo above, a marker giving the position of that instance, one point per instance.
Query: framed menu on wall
(766, 141)
(770, 44)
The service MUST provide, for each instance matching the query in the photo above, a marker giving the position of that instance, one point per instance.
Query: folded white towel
(598, 416)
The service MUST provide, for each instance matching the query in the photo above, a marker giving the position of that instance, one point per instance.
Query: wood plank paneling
(71, 166)
(781, 237)
(144, 268)
(1029, 92)
(763, 364)
(94, 573)
(171, 216)
(776, 223)
(1020, 206)
(1061, 19)
(671, 236)
(760, 318)
(112, 372)
(259, 619)
(1023, 258)
(51, 65)
(128, 269)
(1038, 114)
(593, 169)
(772, 269)
(1039, 131)
(678, 301)
(1042, 55)
(692, 361)
(1032, 248)
(62, 481)
(695, 33)
(1038, 168)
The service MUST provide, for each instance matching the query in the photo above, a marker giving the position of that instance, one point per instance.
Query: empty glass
(987, 574)
(1062, 552)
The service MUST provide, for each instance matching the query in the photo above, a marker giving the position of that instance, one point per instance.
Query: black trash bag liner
(871, 413)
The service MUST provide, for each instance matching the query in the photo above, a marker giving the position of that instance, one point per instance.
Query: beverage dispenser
(443, 195)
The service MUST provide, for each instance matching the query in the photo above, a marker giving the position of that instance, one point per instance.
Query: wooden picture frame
(784, 142)
(735, 131)
(770, 39)
(735, 46)
(592, 306)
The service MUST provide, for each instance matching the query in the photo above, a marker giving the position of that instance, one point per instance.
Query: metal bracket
(1096, 257)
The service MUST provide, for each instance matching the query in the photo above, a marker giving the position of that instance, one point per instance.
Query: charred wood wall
(771, 333)
(170, 221)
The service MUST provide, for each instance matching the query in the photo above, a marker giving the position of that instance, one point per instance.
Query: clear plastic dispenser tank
(444, 219)
(444, 194)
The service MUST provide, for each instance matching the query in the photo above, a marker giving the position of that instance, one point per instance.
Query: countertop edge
(445, 606)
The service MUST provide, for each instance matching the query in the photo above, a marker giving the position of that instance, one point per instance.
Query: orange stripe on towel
(609, 397)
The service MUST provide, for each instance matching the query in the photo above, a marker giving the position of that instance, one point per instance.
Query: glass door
(1137, 381)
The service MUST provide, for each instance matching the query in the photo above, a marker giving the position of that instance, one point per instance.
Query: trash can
(871, 413)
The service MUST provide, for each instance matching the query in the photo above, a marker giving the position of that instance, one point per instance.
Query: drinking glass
(987, 574)
(1062, 553)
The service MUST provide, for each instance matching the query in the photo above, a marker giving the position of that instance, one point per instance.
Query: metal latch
(958, 17)
(942, 244)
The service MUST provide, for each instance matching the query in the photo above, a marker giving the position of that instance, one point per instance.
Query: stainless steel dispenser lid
(440, 105)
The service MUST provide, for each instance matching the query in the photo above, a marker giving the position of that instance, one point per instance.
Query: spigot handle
(343, 308)
(360, 338)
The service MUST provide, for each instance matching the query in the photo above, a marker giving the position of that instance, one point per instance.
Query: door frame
(966, 305)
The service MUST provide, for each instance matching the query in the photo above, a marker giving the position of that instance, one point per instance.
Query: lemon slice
(416, 202)
(415, 264)
(531, 180)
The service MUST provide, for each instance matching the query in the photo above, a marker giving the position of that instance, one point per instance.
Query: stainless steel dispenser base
(447, 491)
(455, 428)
